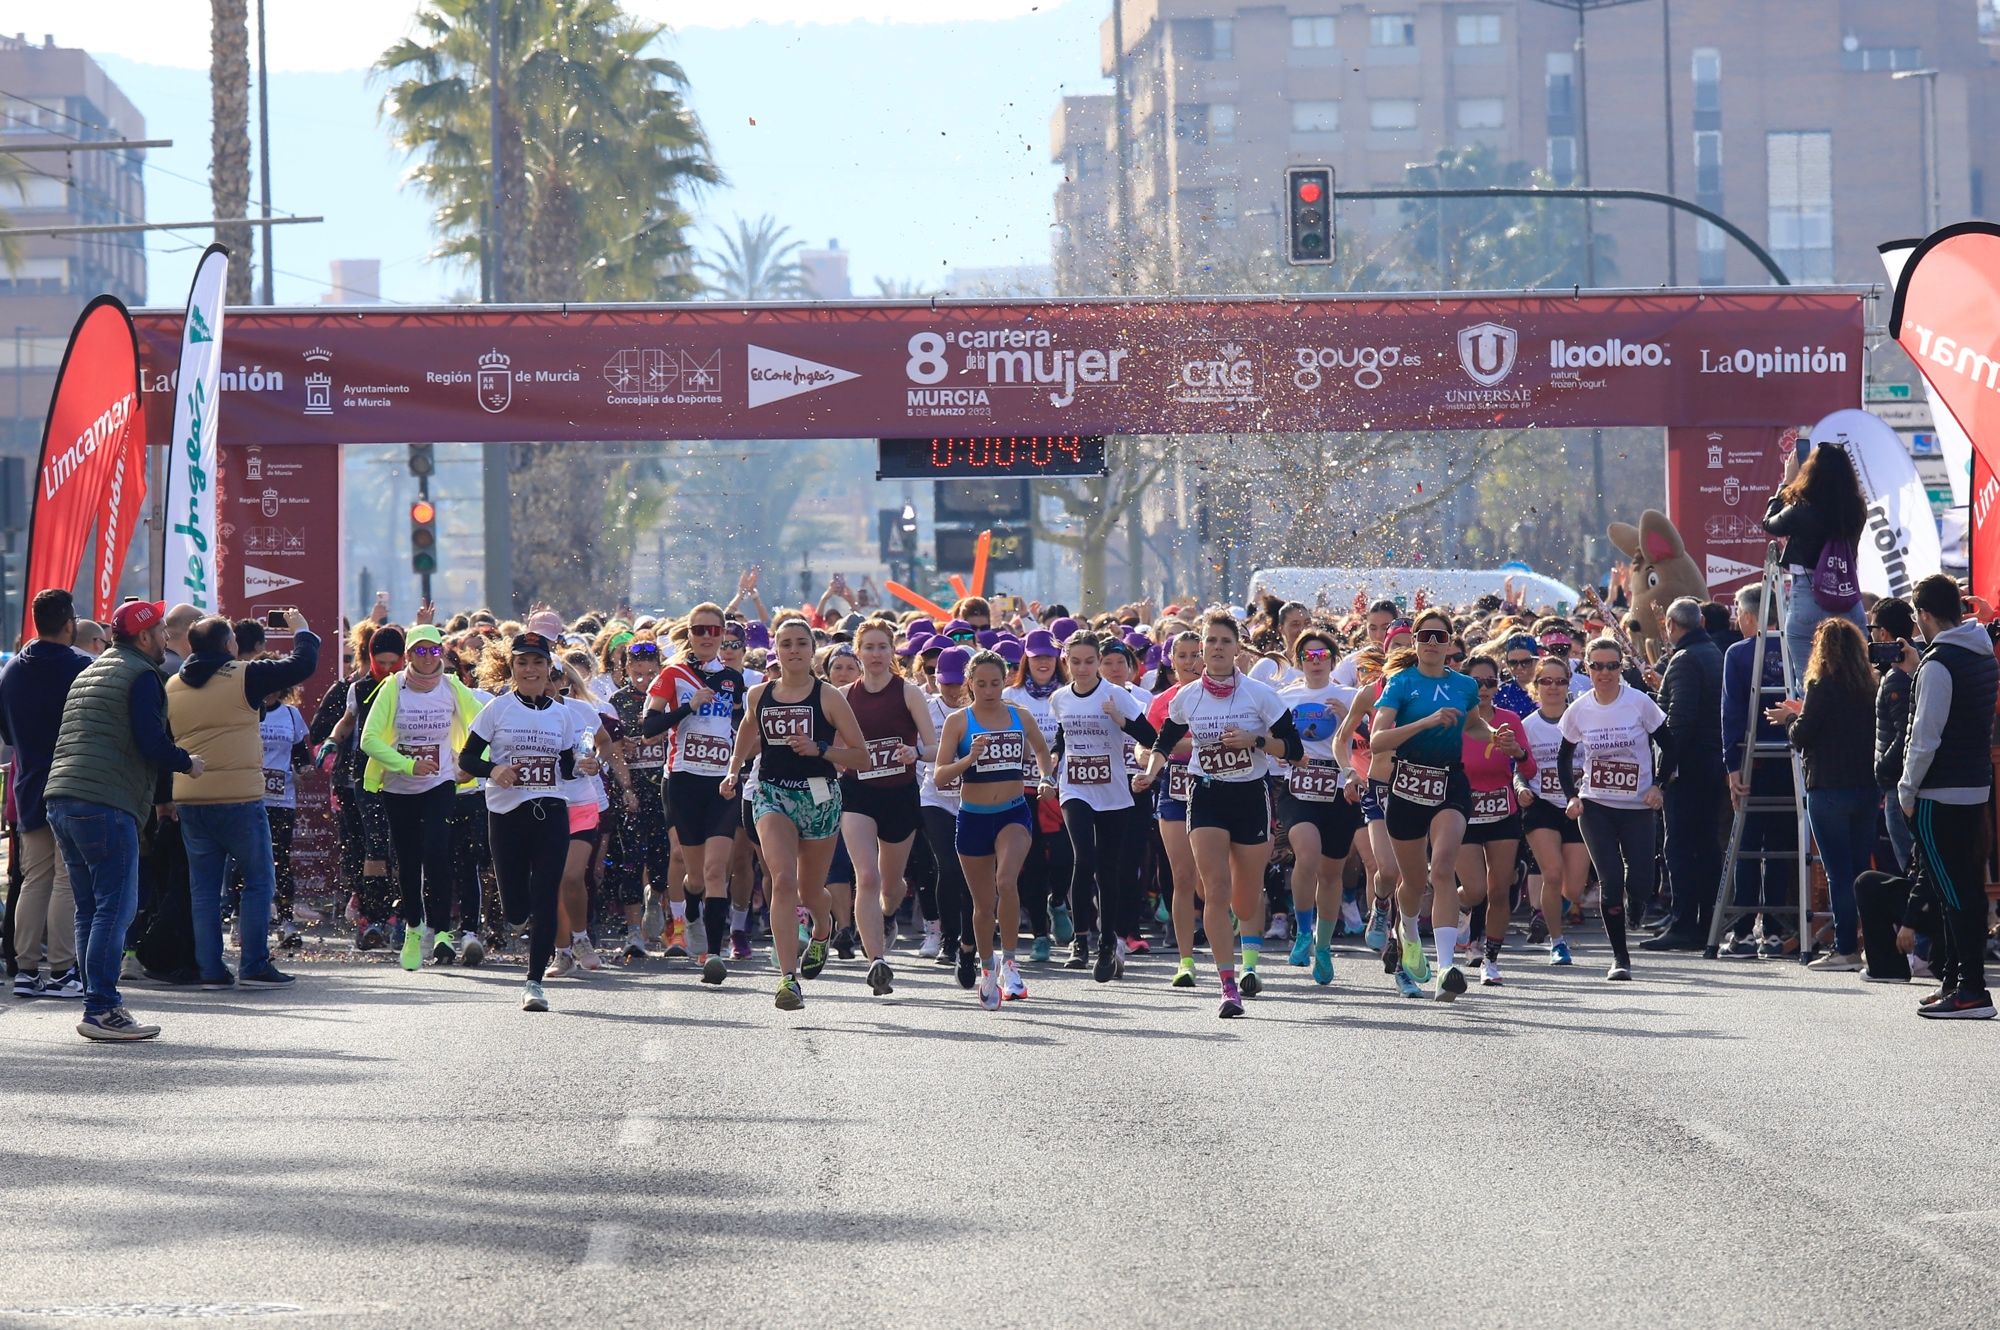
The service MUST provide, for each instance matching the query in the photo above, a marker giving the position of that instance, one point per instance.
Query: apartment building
(1786, 116)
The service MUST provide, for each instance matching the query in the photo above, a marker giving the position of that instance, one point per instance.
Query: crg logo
(1230, 372)
(1486, 353)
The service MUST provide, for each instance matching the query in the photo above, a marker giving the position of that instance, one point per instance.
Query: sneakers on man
(1836, 962)
(27, 984)
(115, 1026)
(739, 944)
(68, 984)
(268, 977)
(1960, 1006)
(1012, 986)
(218, 983)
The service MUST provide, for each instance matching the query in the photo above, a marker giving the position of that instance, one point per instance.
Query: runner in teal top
(1413, 695)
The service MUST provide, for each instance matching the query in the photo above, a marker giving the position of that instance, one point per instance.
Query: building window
(1710, 256)
(1800, 228)
(1089, 160)
(1560, 82)
(1882, 59)
(1562, 159)
(1222, 122)
(1222, 39)
(1392, 113)
(1707, 88)
(1482, 113)
(1225, 209)
(1315, 31)
(1478, 29)
(1191, 122)
(1315, 117)
(1392, 30)
(1707, 164)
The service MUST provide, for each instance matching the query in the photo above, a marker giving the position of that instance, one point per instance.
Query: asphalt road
(1714, 1145)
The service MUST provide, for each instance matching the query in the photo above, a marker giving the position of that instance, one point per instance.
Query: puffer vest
(96, 758)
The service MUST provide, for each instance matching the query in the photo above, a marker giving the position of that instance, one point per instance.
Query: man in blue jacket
(33, 688)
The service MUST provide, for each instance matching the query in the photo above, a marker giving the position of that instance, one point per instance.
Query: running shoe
(713, 971)
(471, 951)
(933, 942)
(814, 960)
(1407, 986)
(966, 968)
(1489, 973)
(1350, 919)
(1391, 956)
(129, 969)
(288, 936)
(1107, 964)
(1137, 946)
(845, 940)
(1776, 948)
(1837, 962)
(27, 984)
(989, 990)
(1414, 963)
(1250, 985)
(218, 983)
(585, 952)
(268, 977)
(677, 940)
(442, 952)
(68, 984)
(1279, 928)
(1737, 949)
(1619, 972)
(1232, 1000)
(947, 954)
(1538, 929)
(115, 1026)
(533, 998)
(1451, 984)
(888, 935)
(1163, 912)
(1302, 949)
(1012, 986)
(1322, 958)
(1377, 934)
(790, 996)
(412, 957)
(1079, 952)
(1065, 925)
(879, 977)
(739, 944)
(1184, 975)
(1040, 951)
(563, 965)
(1559, 952)
(635, 944)
(1960, 1006)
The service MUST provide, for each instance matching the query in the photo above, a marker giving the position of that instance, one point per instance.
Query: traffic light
(423, 537)
(1308, 214)
(423, 462)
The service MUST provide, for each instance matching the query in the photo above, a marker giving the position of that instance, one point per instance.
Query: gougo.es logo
(1364, 364)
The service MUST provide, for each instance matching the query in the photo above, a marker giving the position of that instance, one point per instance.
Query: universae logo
(1486, 353)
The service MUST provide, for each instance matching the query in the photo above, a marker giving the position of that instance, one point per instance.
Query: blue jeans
(100, 844)
(214, 835)
(1901, 839)
(1843, 826)
(1802, 620)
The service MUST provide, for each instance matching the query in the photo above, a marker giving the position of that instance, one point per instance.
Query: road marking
(1957, 1216)
(639, 1131)
(606, 1246)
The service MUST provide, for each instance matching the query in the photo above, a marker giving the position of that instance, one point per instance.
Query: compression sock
(1446, 938)
(1493, 945)
(1225, 974)
(715, 924)
(1253, 951)
(1476, 924)
(1407, 927)
(1305, 919)
(1323, 931)
(680, 910)
(739, 919)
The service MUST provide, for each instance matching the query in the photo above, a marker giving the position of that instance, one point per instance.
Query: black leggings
(1621, 843)
(420, 828)
(282, 821)
(1098, 882)
(529, 846)
(1045, 873)
(469, 855)
(954, 899)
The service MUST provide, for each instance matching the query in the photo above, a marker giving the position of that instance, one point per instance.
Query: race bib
(882, 759)
(1219, 761)
(1491, 805)
(1089, 768)
(274, 783)
(1610, 776)
(419, 752)
(1006, 751)
(649, 754)
(1180, 781)
(535, 771)
(1549, 781)
(705, 750)
(1419, 784)
(782, 723)
(1316, 782)
(952, 786)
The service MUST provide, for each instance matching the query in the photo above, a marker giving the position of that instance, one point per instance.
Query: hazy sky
(913, 131)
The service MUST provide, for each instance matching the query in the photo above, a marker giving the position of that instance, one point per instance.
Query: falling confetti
(753, 121)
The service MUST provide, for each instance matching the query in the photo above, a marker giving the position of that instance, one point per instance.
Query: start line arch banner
(480, 374)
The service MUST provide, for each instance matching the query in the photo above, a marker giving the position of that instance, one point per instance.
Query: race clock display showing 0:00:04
(993, 455)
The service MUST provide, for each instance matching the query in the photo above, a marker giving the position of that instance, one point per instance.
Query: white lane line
(639, 1131)
(607, 1246)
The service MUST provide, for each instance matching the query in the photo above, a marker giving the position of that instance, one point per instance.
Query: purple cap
(986, 637)
(1138, 641)
(916, 626)
(1040, 643)
(1154, 658)
(757, 637)
(1010, 651)
(1062, 629)
(933, 644)
(913, 644)
(951, 665)
(955, 626)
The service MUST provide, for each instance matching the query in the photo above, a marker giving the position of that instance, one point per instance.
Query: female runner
(596, 724)
(940, 801)
(879, 803)
(797, 727)
(1553, 836)
(1046, 873)
(1321, 820)
(1369, 789)
(1119, 664)
(1493, 833)
(1184, 666)
(989, 743)
(1233, 720)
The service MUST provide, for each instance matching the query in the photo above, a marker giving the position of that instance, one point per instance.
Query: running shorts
(1240, 807)
(1410, 820)
(1487, 833)
(696, 809)
(892, 809)
(795, 803)
(979, 828)
(1374, 800)
(1541, 815)
(1336, 820)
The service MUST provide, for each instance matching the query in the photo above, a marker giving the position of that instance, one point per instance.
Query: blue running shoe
(1559, 953)
(1040, 951)
(1377, 936)
(1407, 986)
(1302, 948)
(1322, 965)
(1065, 926)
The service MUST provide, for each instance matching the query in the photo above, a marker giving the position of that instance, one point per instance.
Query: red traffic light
(1309, 191)
(423, 512)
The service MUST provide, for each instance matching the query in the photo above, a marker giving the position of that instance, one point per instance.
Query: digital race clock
(993, 456)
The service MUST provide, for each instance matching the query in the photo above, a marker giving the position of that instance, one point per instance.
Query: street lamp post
(1927, 129)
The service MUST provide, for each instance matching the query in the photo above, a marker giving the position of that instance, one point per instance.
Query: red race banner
(471, 374)
(1718, 483)
(1947, 317)
(95, 432)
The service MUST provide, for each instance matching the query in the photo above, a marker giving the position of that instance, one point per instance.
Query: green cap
(426, 632)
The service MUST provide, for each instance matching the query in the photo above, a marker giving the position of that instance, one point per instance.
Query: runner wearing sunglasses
(1423, 716)
(648, 853)
(1170, 805)
(1368, 789)
(1493, 833)
(1320, 820)
(1553, 836)
(1517, 681)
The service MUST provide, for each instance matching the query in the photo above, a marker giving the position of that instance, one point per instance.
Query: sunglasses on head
(704, 630)
(647, 650)
(1605, 666)
(1433, 635)
(427, 651)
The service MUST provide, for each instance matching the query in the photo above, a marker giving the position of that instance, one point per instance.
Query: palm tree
(229, 146)
(759, 262)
